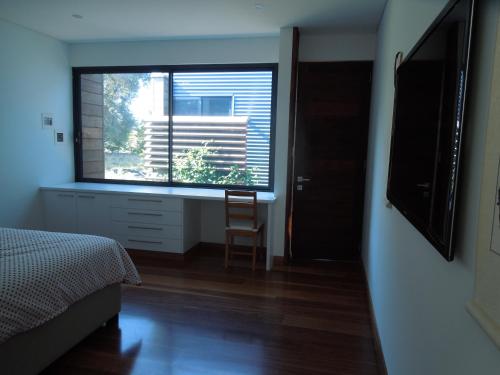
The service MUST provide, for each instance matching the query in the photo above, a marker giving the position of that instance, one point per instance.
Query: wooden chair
(241, 221)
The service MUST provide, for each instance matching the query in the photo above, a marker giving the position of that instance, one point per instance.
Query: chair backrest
(241, 206)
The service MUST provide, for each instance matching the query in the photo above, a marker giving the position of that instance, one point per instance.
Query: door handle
(303, 179)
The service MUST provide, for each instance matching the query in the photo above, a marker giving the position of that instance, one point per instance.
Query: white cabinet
(147, 230)
(150, 243)
(77, 212)
(93, 213)
(137, 221)
(147, 202)
(157, 218)
(135, 215)
(148, 222)
(60, 211)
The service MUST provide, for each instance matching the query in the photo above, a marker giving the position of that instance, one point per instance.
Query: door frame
(291, 144)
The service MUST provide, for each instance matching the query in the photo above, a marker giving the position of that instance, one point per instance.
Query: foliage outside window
(218, 131)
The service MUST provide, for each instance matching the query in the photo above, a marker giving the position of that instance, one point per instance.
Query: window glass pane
(226, 141)
(216, 105)
(190, 106)
(125, 126)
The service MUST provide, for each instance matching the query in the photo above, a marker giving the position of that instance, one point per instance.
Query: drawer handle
(136, 227)
(66, 195)
(144, 241)
(145, 200)
(144, 214)
(86, 196)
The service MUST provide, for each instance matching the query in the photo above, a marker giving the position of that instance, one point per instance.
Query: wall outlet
(47, 121)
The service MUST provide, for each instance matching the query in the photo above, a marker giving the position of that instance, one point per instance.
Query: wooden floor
(197, 318)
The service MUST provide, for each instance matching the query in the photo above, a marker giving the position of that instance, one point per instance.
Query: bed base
(30, 352)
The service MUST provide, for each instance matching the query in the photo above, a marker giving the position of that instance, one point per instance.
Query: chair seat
(245, 228)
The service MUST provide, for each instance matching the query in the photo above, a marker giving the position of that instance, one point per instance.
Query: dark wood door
(333, 105)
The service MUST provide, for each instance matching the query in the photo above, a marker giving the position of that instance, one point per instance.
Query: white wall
(35, 78)
(419, 298)
(316, 47)
(176, 52)
(337, 46)
(214, 51)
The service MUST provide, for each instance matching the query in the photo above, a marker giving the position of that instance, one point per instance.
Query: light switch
(58, 136)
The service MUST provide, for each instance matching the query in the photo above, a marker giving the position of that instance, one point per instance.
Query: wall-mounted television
(431, 90)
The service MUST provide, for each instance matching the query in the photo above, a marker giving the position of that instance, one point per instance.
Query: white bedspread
(43, 273)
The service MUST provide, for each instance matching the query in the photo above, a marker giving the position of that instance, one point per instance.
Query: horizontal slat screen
(225, 136)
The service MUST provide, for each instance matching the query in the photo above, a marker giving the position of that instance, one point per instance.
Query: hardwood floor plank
(193, 317)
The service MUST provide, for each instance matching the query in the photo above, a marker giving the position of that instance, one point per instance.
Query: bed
(55, 289)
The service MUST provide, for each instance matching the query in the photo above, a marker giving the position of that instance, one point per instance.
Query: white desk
(189, 194)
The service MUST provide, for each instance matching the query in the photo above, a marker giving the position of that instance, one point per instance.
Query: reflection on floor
(196, 318)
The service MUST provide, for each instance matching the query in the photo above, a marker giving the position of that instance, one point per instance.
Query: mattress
(43, 273)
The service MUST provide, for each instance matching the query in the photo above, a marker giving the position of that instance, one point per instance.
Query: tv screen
(427, 128)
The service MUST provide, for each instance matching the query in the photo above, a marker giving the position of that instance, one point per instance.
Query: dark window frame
(171, 70)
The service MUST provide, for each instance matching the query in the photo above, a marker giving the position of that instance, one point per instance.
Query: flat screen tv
(431, 88)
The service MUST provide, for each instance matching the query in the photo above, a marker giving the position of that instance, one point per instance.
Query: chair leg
(254, 252)
(226, 262)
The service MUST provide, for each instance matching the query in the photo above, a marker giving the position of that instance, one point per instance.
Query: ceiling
(99, 20)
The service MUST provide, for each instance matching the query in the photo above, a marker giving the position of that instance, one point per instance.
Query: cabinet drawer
(173, 232)
(147, 202)
(150, 243)
(146, 216)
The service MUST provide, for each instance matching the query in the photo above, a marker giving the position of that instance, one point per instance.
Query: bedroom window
(175, 126)
(204, 106)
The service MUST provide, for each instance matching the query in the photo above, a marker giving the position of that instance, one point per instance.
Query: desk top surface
(179, 192)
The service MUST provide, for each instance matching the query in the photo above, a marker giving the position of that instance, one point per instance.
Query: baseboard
(378, 344)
